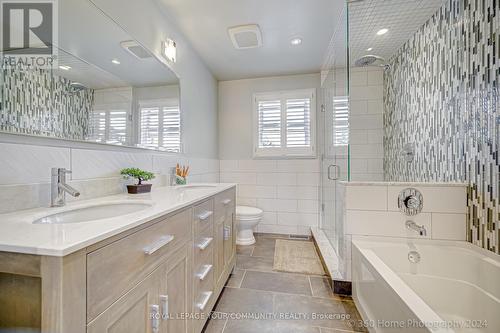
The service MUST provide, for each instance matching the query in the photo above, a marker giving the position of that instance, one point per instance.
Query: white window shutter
(98, 126)
(149, 127)
(160, 125)
(269, 123)
(285, 124)
(117, 130)
(109, 125)
(298, 122)
(340, 121)
(171, 140)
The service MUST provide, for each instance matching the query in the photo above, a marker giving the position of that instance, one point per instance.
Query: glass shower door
(334, 138)
(335, 153)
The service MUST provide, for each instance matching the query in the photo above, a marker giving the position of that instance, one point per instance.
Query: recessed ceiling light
(296, 41)
(115, 61)
(382, 31)
(66, 68)
(369, 49)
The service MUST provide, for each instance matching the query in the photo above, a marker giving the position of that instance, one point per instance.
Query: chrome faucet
(418, 228)
(58, 187)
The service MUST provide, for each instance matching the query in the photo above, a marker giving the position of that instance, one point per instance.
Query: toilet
(247, 219)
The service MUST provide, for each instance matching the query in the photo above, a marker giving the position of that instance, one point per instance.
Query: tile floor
(254, 289)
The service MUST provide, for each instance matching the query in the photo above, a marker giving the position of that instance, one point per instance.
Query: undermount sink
(92, 213)
(196, 187)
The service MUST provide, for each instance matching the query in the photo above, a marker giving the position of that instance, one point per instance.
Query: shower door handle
(336, 176)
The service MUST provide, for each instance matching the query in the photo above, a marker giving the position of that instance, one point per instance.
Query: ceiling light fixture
(369, 49)
(63, 67)
(296, 41)
(169, 49)
(115, 61)
(382, 31)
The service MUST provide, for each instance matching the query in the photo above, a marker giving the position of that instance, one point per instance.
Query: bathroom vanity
(160, 269)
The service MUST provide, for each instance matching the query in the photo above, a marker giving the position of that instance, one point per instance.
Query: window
(160, 125)
(109, 124)
(340, 121)
(284, 124)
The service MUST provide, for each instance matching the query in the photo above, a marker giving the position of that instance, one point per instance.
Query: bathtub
(442, 286)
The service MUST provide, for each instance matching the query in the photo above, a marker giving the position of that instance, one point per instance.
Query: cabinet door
(229, 243)
(176, 292)
(219, 251)
(135, 312)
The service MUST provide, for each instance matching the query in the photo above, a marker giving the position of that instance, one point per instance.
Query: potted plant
(141, 176)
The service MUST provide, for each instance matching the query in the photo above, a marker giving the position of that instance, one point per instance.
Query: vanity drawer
(203, 247)
(204, 299)
(223, 204)
(203, 216)
(115, 268)
(204, 279)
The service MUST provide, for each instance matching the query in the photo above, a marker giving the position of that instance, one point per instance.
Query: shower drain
(414, 257)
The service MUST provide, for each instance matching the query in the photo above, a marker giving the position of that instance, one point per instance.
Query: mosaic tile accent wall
(35, 101)
(442, 99)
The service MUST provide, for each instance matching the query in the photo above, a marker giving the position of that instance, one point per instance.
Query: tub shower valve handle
(410, 201)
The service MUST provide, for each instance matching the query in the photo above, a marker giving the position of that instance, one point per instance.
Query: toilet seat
(248, 213)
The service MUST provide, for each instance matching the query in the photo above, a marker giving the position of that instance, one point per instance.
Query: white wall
(287, 190)
(366, 124)
(26, 161)
(235, 109)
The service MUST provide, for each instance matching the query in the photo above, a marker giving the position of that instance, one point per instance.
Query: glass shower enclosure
(334, 141)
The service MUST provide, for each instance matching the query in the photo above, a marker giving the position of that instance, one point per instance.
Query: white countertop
(18, 233)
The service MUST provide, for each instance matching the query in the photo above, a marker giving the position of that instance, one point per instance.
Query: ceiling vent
(245, 36)
(135, 49)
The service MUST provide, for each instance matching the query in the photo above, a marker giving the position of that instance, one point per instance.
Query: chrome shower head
(371, 60)
(75, 87)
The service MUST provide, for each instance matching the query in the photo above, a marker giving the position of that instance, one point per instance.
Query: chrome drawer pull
(204, 274)
(205, 215)
(164, 307)
(202, 246)
(204, 303)
(154, 314)
(226, 202)
(158, 245)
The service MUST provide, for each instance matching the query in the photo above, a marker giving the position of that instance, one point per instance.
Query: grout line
(310, 285)
(243, 277)
(334, 298)
(225, 324)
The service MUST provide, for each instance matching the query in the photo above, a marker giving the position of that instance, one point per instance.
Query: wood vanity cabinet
(161, 277)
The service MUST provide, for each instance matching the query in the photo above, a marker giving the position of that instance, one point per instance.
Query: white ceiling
(205, 25)
(402, 17)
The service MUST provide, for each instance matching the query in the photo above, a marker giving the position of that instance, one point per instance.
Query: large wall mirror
(106, 88)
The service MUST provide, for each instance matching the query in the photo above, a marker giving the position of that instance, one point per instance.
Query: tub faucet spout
(418, 228)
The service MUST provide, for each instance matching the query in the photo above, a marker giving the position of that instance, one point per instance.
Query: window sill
(284, 157)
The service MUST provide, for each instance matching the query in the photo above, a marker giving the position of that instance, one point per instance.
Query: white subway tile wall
(371, 209)
(286, 190)
(25, 174)
(366, 128)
